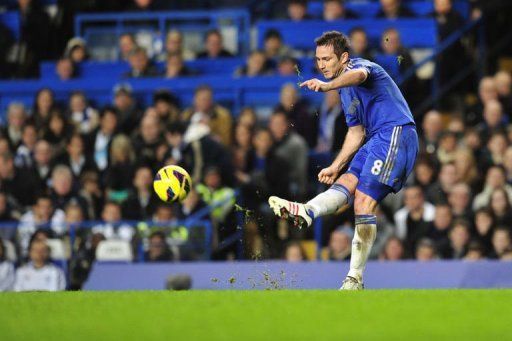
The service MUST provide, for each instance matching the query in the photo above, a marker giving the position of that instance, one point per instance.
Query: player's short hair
(339, 42)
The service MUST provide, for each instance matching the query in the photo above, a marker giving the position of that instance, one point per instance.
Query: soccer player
(380, 148)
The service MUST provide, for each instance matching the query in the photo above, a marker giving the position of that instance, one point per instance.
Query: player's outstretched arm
(349, 78)
(353, 140)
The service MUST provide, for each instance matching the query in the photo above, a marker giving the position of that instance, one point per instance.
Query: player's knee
(364, 204)
(349, 181)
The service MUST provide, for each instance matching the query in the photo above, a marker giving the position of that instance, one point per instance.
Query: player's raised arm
(353, 140)
(348, 78)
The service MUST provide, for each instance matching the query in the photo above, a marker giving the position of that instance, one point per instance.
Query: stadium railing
(101, 26)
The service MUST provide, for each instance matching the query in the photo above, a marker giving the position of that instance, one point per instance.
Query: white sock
(366, 231)
(329, 201)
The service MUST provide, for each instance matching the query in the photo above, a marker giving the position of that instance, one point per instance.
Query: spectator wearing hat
(76, 50)
(39, 274)
(129, 113)
(214, 46)
(140, 64)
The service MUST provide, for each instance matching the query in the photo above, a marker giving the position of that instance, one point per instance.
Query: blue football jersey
(376, 103)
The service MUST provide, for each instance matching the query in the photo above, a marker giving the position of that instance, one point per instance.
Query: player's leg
(339, 195)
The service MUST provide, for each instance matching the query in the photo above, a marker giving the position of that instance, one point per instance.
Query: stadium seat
(58, 250)
(114, 251)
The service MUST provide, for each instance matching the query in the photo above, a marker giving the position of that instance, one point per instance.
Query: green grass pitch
(258, 315)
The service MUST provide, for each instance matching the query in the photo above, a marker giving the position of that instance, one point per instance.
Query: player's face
(328, 62)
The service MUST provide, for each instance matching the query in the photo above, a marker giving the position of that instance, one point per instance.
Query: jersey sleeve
(352, 119)
(362, 65)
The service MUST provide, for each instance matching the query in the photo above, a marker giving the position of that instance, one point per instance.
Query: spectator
(257, 65)
(299, 113)
(121, 161)
(459, 236)
(167, 106)
(500, 207)
(335, 10)
(297, 10)
(248, 117)
(294, 253)
(175, 67)
(293, 148)
(495, 179)
(16, 117)
(507, 164)
(144, 6)
(273, 45)
(58, 132)
(127, 44)
(7, 212)
(425, 250)
(129, 114)
(265, 172)
(412, 221)
(176, 145)
(98, 141)
(7, 274)
(393, 9)
(158, 249)
(6, 43)
(219, 118)
(81, 114)
(331, 123)
(147, 141)
(62, 191)
(496, 146)
(484, 228)
(214, 46)
(174, 46)
(423, 173)
(453, 59)
(447, 149)
(459, 199)
(25, 151)
(242, 147)
(393, 250)
(43, 104)
(493, 119)
(16, 182)
(340, 244)
(112, 227)
(140, 64)
(142, 202)
(75, 157)
(439, 228)
(91, 191)
(500, 242)
(65, 69)
(503, 82)
(465, 164)
(475, 251)
(359, 44)
(432, 130)
(287, 66)
(34, 40)
(39, 274)
(487, 91)
(76, 50)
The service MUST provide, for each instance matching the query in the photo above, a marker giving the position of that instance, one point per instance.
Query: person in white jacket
(39, 274)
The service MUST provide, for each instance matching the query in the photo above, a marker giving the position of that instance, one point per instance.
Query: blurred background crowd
(81, 173)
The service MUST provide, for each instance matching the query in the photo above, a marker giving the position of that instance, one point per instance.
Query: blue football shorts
(384, 162)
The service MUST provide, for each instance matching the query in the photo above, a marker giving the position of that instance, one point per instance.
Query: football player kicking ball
(381, 146)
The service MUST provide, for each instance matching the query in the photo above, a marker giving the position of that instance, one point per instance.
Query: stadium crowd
(75, 164)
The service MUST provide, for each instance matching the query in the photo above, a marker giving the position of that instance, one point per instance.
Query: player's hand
(316, 85)
(328, 175)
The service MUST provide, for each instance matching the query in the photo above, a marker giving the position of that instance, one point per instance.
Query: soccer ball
(172, 183)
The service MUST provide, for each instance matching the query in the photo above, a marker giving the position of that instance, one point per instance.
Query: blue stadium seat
(414, 32)
(11, 20)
